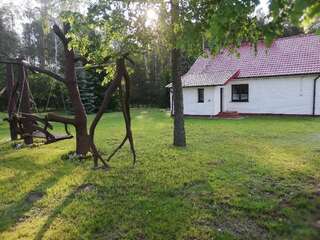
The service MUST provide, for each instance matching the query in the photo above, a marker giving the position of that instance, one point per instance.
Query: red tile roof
(287, 56)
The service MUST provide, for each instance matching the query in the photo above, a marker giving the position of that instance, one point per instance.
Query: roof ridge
(300, 35)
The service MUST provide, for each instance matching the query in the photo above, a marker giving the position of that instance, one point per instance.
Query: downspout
(171, 101)
(314, 95)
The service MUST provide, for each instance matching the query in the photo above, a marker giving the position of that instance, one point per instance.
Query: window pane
(244, 97)
(200, 95)
(235, 89)
(240, 92)
(236, 97)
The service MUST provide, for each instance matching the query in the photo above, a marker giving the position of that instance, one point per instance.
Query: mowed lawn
(254, 178)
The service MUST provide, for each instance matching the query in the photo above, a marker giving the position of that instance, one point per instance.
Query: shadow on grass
(12, 214)
(64, 204)
(68, 200)
(221, 218)
(21, 163)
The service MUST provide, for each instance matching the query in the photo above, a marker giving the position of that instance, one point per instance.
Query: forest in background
(38, 45)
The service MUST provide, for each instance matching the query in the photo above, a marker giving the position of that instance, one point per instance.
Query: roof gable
(202, 78)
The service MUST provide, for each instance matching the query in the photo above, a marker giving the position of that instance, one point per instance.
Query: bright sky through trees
(152, 17)
(151, 13)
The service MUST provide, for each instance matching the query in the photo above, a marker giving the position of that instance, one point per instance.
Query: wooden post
(12, 103)
(25, 105)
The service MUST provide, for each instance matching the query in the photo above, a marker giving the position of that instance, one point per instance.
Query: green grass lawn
(254, 178)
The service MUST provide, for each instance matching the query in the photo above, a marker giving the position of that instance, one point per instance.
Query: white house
(281, 79)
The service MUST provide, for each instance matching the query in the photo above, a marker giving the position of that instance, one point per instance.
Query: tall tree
(179, 136)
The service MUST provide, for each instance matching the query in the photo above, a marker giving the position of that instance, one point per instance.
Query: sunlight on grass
(256, 178)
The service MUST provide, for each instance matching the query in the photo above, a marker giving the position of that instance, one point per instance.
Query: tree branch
(45, 71)
(107, 97)
(124, 97)
(127, 113)
(11, 61)
(81, 58)
(60, 34)
(130, 60)
(93, 66)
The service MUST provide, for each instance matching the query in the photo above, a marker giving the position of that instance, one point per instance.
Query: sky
(264, 3)
(22, 4)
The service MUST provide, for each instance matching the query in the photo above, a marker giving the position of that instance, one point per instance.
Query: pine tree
(87, 90)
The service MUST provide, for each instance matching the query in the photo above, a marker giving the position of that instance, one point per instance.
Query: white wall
(275, 95)
(269, 95)
(191, 105)
(216, 100)
(317, 110)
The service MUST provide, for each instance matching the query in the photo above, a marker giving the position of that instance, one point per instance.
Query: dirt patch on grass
(87, 187)
(34, 197)
(242, 228)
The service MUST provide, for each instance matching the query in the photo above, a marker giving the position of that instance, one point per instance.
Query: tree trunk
(11, 101)
(179, 138)
(82, 137)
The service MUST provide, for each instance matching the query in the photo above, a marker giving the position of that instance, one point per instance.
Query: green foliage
(44, 89)
(9, 47)
(9, 41)
(255, 178)
(107, 30)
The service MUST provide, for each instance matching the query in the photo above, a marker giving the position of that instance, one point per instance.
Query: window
(200, 95)
(240, 93)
